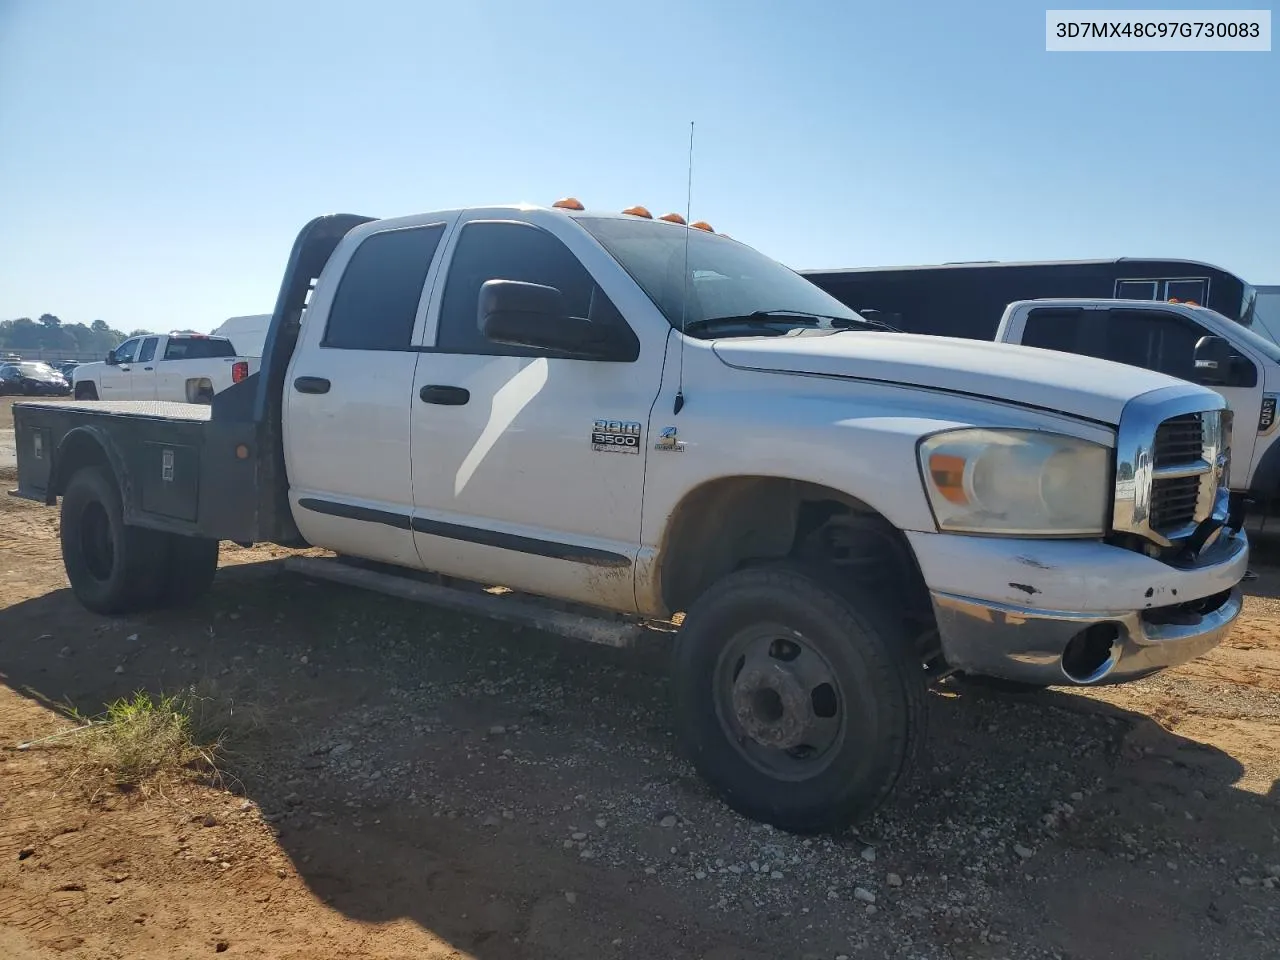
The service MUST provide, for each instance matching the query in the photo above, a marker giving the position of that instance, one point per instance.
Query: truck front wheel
(113, 568)
(86, 391)
(798, 700)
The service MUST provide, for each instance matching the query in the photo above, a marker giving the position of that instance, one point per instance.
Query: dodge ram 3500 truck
(621, 420)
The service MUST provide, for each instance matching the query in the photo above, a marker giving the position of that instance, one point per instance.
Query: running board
(610, 633)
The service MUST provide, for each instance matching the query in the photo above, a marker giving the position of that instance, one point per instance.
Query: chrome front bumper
(1005, 638)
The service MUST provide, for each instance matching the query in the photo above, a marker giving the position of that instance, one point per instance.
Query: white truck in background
(182, 368)
(1186, 341)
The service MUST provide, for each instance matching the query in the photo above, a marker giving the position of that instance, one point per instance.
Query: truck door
(347, 395)
(143, 377)
(528, 469)
(116, 380)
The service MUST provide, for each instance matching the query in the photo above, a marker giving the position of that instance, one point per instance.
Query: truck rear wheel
(193, 562)
(113, 568)
(798, 701)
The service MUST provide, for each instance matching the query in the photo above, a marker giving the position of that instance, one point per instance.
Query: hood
(1064, 382)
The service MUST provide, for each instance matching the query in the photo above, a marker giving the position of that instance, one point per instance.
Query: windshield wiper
(770, 318)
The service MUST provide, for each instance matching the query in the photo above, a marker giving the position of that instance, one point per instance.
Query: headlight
(1017, 482)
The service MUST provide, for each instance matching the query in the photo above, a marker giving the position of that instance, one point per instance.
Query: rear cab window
(197, 348)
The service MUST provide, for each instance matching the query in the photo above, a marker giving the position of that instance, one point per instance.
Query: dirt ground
(405, 782)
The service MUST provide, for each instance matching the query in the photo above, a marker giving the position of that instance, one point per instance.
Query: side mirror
(1213, 361)
(1218, 365)
(111, 358)
(534, 315)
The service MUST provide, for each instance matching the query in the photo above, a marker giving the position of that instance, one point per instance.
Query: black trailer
(968, 299)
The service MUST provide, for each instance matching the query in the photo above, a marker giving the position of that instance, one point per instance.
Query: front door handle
(311, 385)
(148, 368)
(447, 396)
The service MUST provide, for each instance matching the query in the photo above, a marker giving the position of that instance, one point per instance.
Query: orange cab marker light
(673, 218)
(1191, 303)
(568, 203)
(639, 211)
(947, 471)
(702, 225)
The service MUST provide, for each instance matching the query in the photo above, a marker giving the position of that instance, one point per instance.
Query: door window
(514, 251)
(1068, 329)
(377, 298)
(1166, 342)
(148, 350)
(126, 350)
(1157, 341)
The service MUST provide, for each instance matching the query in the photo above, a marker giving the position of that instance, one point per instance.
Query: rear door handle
(311, 385)
(447, 396)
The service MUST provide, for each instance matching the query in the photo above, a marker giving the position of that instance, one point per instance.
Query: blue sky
(159, 157)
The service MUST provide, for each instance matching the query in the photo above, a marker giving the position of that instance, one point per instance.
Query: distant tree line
(50, 333)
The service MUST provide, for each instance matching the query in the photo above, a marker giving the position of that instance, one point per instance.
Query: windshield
(1265, 312)
(724, 278)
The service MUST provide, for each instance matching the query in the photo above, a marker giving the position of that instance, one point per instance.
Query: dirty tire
(880, 693)
(193, 561)
(113, 568)
(86, 391)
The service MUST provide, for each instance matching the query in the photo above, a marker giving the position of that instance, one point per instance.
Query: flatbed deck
(151, 409)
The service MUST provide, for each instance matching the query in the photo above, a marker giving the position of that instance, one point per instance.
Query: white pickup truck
(623, 421)
(183, 368)
(1187, 341)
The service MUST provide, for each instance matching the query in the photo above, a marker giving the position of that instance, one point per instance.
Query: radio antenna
(684, 299)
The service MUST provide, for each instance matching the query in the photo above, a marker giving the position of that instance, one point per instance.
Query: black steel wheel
(113, 568)
(798, 699)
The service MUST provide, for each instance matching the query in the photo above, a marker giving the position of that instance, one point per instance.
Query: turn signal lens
(947, 472)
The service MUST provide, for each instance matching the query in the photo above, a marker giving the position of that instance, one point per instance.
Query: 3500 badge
(616, 436)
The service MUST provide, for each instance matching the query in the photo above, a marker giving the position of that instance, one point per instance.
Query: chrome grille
(1171, 464)
(1179, 445)
(1179, 440)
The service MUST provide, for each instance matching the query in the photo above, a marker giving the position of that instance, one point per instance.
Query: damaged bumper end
(1127, 632)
